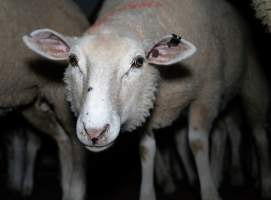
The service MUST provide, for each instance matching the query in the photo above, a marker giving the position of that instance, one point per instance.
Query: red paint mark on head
(126, 7)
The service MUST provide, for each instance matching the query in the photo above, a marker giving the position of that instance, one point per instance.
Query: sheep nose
(95, 134)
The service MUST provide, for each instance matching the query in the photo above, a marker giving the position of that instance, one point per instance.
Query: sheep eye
(73, 60)
(138, 62)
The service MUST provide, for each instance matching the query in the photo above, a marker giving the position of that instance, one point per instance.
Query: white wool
(263, 12)
(144, 104)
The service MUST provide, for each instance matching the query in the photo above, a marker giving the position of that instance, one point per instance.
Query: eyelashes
(73, 60)
(138, 62)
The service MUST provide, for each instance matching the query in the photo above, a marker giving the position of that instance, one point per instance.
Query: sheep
(262, 8)
(38, 94)
(22, 147)
(72, 159)
(225, 140)
(132, 68)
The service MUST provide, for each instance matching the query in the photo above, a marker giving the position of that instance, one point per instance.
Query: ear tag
(174, 41)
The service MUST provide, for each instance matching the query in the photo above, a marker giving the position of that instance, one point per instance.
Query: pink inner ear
(51, 44)
(162, 52)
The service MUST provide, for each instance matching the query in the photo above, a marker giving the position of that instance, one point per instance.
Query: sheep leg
(262, 148)
(234, 134)
(65, 154)
(162, 171)
(15, 152)
(72, 159)
(177, 170)
(32, 146)
(147, 155)
(78, 179)
(200, 122)
(219, 143)
(261, 141)
(43, 118)
(256, 103)
(184, 153)
(255, 167)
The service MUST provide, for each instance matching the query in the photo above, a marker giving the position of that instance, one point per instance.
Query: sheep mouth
(99, 148)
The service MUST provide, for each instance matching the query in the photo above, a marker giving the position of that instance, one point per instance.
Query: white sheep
(38, 94)
(22, 145)
(129, 70)
(263, 11)
(224, 151)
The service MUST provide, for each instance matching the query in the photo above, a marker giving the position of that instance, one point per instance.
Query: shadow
(49, 70)
(176, 71)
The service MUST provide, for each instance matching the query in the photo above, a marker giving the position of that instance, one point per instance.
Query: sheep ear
(48, 44)
(169, 50)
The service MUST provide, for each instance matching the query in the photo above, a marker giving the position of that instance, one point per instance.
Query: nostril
(95, 135)
(94, 140)
(104, 130)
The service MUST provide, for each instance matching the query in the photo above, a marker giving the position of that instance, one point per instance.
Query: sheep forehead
(109, 48)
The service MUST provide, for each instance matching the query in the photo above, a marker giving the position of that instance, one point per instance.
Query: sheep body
(122, 76)
(262, 8)
(39, 97)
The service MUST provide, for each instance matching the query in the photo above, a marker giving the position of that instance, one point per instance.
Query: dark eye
(138, 62)
(73, 60)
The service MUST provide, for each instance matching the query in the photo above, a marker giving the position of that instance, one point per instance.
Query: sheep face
(111, 80)
(110, 86)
